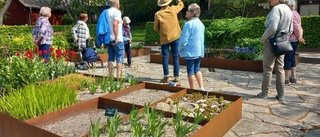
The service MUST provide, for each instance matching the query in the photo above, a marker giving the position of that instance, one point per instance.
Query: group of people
(188, 43)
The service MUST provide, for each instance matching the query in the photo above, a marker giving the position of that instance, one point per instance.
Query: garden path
(298, 115)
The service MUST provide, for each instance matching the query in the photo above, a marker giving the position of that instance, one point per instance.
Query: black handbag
(280, 44)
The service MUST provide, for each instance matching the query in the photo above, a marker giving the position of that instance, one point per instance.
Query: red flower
(67, 59)
(29, 54)
(53, 55)
(73, 54)
(51, 49)
(37, 48)
(45, 61)
(45, 52)
(18, 54)
(40, 52)
(58, 51)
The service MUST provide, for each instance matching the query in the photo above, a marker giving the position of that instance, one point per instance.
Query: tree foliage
(4, 6)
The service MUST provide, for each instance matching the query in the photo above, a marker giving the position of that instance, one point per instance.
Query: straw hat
(162, 3)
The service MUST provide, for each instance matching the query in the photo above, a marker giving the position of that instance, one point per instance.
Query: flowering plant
(23, 69)
(248, 49)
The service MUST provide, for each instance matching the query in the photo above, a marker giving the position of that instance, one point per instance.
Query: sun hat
(126, 19)
(162, 3)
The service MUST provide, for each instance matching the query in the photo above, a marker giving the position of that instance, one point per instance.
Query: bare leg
(191, 81)
(293, 73)
(119, 69)
(199, 79)
(286, 73)
(110, 68)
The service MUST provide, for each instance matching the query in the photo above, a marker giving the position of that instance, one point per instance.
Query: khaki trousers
(270, 63)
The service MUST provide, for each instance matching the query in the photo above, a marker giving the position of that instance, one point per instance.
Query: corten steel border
(11, 127)
(232, 64)
(218, 126)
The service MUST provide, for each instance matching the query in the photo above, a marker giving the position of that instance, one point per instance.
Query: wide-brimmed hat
(162, 3)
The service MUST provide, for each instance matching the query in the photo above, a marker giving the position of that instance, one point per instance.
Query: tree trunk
(4, 10)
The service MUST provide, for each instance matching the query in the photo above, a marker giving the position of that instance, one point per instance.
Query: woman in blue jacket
(191, 45)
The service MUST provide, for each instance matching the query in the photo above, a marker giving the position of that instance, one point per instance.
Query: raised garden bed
(221, 63)
(217, 126)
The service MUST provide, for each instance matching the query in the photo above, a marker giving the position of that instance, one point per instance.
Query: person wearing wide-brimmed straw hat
(167, 24)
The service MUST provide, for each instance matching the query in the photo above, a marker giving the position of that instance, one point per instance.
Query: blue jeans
(44, 47)
(175, 56)
(290, 58)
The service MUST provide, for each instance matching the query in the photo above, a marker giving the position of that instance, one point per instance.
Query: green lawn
(138, 32)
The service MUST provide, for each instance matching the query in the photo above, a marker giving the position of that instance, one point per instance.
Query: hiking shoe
(280, 98)
(176, 79)
(293, 80)
(286, 82)
(261, 95)
(165, 80)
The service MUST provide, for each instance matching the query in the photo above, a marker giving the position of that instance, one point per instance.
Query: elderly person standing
(127, 38)
(43, 33)
(116, 48)
(191, 45)
(80, 31)
(279, 19)
(166, 22)
(295, 39)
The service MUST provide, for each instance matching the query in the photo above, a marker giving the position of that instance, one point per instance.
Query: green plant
(181, 129)
(113, 124)
(95, 129)
(132, 81)
(101, 50)
(35, 100)
(92, 88)
(155, 126)
(135, 125)
(138, 46)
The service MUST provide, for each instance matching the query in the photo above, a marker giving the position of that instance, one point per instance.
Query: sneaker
(293, 80)
(286, 82)
(261, 95)
(176, 79)
(165, 80)
(280, 98)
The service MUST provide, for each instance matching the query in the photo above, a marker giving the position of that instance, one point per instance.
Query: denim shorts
(193, 66)
(116, 52)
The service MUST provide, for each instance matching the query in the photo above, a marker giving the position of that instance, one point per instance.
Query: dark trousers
(127, 48)
(45, 47)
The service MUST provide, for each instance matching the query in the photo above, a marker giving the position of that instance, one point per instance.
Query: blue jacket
(191, 42)
(103, 29)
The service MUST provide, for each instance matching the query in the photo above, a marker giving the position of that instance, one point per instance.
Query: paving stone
(251, 127)
(230, 133)
(254, 109)
(281, 134)
(249, 116)
(312, 133)
(289, 112)
(311, 99)
(294, 133)
(254, 83)
(240, 91)
(292, 98)
(312, 107)
(269, 118)
(261, 101)
(312, 119)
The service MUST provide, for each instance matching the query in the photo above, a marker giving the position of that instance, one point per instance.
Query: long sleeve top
(44, 29)
(166, 22)
(80, 31)
(297, 29)
(191, 42)
(278, 19)
(126, 33)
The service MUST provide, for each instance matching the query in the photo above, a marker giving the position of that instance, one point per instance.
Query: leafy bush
(246, 49)
(138, 46)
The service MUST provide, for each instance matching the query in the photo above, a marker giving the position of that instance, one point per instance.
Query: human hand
(115, 42)
(301, 40)
(91, 38)
(76, 40)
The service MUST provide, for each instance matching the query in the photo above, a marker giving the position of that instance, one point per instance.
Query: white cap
(126, 19)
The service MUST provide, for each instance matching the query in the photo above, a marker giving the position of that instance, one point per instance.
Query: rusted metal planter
(139, 52)
(218, 126)
(232, 64)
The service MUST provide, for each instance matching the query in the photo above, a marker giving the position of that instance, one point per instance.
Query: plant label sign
(110, 111)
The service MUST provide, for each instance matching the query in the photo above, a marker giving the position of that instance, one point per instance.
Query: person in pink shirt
(295, 39)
